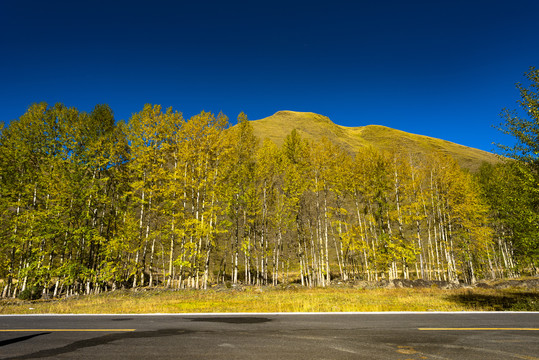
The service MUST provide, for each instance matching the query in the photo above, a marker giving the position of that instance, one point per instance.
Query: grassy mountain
(314, 126)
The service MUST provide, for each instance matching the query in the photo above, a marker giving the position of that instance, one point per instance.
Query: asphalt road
(418, 336)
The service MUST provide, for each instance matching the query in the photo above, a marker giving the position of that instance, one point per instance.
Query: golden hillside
(314, 126)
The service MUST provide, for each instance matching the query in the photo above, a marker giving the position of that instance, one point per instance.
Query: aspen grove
(90, 204)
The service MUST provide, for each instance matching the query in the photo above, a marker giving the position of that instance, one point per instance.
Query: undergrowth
(257, 299)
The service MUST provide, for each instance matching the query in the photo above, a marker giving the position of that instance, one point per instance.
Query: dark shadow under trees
(508, 300)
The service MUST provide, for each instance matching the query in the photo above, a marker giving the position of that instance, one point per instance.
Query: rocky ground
(527, 283)
(531, 283)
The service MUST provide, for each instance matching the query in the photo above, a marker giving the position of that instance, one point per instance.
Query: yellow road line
(475, 329)
(67, 330)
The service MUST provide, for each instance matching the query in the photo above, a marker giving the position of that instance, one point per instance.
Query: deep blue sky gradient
(438, 68)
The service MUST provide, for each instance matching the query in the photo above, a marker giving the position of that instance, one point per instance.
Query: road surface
(404, 336)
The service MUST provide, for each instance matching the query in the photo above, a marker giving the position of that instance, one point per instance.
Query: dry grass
(281, 300)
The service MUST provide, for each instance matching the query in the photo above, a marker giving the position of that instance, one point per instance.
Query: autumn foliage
(88, 204)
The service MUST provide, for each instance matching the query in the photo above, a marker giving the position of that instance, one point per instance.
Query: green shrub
(30, 293)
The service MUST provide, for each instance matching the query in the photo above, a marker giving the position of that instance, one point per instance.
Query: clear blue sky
(438, 68)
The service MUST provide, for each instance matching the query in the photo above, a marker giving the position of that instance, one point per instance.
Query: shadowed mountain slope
(313, 127)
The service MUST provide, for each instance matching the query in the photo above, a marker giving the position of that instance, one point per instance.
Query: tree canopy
(517, 205)
(88, 204)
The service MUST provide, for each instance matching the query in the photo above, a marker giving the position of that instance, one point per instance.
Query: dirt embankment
(528, 284)
(531, 284)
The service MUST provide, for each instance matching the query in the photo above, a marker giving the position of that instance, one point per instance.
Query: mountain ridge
(314, 127)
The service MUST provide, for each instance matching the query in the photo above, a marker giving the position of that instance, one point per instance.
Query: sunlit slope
(314, 127)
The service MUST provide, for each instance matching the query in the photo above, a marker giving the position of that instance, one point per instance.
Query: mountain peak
(299, 115)
(310, 126)
(314, 127)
